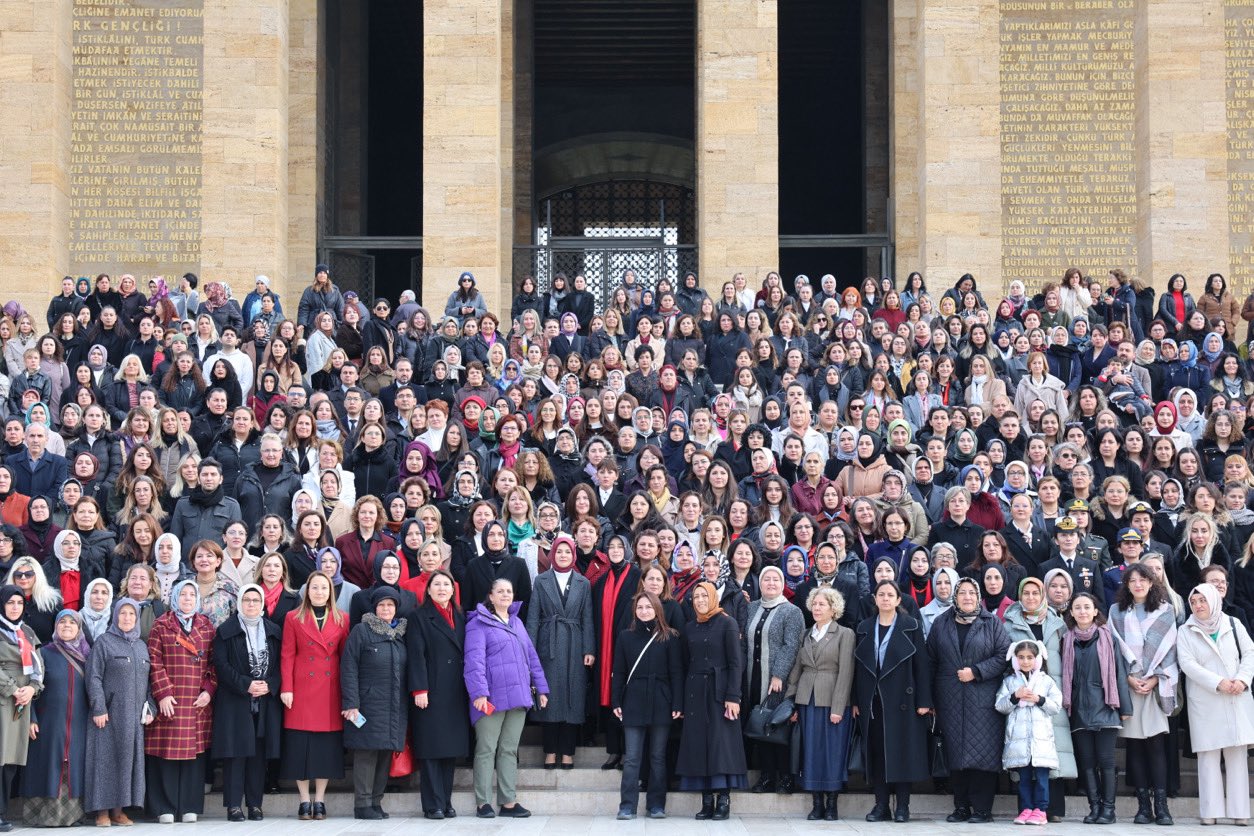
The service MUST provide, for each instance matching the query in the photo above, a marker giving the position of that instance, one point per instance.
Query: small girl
(1030, 698)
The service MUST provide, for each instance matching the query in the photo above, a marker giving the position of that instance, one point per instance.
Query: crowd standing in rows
(807, 529)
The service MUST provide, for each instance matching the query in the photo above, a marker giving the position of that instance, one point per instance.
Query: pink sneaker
(1038, 818)
(1025, 817)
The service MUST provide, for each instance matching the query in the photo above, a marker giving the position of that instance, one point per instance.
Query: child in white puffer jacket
(1030, 698)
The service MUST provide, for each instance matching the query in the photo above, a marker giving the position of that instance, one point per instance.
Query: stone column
(737, 139)
(306, 110)
(959, 163)
(903, 208)
(1182, 189)
(244, 171)
(35, 101)
(467, 148)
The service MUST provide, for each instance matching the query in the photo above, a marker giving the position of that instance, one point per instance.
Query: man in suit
(1085, 576)
(36, 472)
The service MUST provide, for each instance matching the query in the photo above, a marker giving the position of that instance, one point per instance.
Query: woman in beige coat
(820, 682)
(983, 385)
(1039, 383)
(1216, 657)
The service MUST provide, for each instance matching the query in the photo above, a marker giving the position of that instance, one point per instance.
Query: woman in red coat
(359, 547)
(183, 680)
(313, 728)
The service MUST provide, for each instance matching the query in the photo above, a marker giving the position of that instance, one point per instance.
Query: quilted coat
(1018, 630)
(372, 680)
(501, 662)
(182, 667)
(966, 711)
(1029, 730)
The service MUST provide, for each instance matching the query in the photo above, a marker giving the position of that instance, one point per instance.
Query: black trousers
(877, 762)
(175, 787)
(244, 779)
(638, 739)
(1147, 762)
(613, 731)
(1057, 798)
(8, 773)
(772, 758)
(436, 784)
(1094, 749)
(559, 738)
(973, 788)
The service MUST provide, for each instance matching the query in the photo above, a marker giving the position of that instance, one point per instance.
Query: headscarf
(779, 599)
(967, 617)
(60, 539)
(1209, 625)
(715, 609)
(993, 603)
(215, 295)
(131, 635)
(338, 578)
(75, 652)
(962, 479)
(841, 455)
(104, 352)
(791, 582)
(877, 448)
(1212, 355)
(95, 623)
(167, 573)
(185, 619)
(673, 451)
(254, 632)
(14, 632)
(1037, 616)
(952, 574)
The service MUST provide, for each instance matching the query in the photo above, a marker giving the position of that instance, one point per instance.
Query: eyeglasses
(28, 573)
(856, 406)
(380, 307)
(1066, 455)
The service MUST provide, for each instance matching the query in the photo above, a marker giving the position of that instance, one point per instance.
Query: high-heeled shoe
(319, 810)
(305, 811)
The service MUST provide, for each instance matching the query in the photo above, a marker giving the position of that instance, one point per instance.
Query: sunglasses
(854, 406)
(28, 573)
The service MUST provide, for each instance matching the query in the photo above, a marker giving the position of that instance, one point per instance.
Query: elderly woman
(892, 695)
(21, 680)
(372, 683)
(559, 621)
(771, 641)
(247, 714)
(944, 580)
(502, 670)
(184, 680)
(820, 684)
(1144, 625)
(52, 782)
(1217, 659)
(967, 648)
(117, 694)
(97, 608)
(1032, 618)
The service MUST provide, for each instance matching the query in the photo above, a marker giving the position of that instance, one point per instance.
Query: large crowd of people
(800, 528)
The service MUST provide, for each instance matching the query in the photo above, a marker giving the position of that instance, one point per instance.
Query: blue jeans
(1034, 788)
(635, 739)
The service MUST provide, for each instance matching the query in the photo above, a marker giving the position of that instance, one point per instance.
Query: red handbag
(402, 762)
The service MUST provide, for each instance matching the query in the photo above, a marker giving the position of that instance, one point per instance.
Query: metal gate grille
(352, 271)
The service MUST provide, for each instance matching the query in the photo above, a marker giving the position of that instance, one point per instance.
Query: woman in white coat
(1039, 383)
(1216, 657)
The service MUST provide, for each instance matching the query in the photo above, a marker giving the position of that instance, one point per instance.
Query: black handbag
(936, 753)
(768, 721)
(856, 761)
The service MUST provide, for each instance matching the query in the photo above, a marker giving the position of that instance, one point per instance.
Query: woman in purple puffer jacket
(504, 679)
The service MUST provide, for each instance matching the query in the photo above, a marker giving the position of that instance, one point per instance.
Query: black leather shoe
(450, 812)
(614, 762)
(570, 765)
(959, 814)
(305, 811)
(319, 810)
(5, 826)
(485, 811)
(366, 813)
(516, 812)
(434, 814)
(766, 783)
(235, 814)
(552, 765)
(255, 814)
(902, 815)
(382, 813)
(785, 785)
(879, 813)
(980, 818)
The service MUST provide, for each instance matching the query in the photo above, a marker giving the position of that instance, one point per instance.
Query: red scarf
(1177, 296)
(509, 454)
(272, 594)
(609, 596)
(446, 613)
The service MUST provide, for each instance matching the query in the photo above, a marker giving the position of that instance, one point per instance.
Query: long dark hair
(1157, 594)
(443, 573)
(664, 630)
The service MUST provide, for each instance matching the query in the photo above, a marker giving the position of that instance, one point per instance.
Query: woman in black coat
(648, 696)
(372, 685)
(370, 462)
(387, 574)
(611, 615)
(722, 347)
(247, 717)
(967, 649)
(892, 696)
(712, 749)
(440, 721)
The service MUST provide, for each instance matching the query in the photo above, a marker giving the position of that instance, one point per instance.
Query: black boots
(784, 784)
(816, 811)
(1108, 797)
(1092, 790)
(707, 806)
(766, 782)
(722, 806)
(830, 813)
(1162, 816)
(1144, 815)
